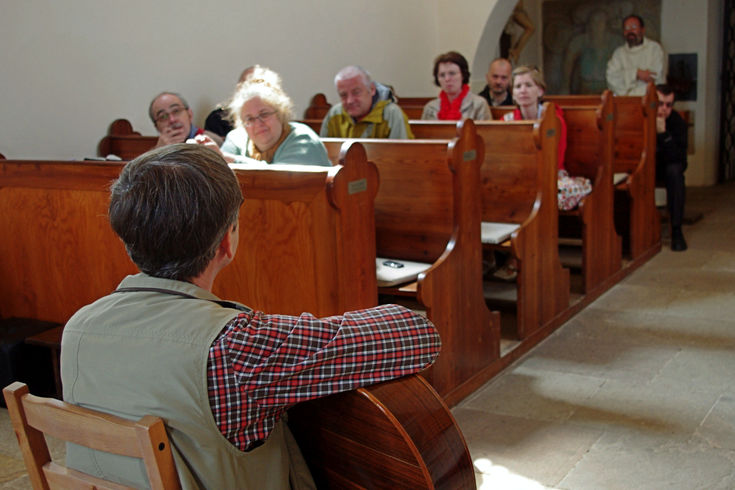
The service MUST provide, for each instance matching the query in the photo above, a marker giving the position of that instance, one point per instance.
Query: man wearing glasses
(639, 61)
(173, 119)
(671, 161)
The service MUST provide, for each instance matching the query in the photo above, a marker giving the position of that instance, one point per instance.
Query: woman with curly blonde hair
(263, 128)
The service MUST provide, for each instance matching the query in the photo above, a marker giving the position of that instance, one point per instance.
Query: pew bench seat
(497, 233)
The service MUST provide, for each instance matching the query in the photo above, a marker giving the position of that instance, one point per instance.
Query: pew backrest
(413, 216)
(123, 141)
(512, 173)
(313, 225)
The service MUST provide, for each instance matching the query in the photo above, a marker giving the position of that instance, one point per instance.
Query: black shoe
(678, 244)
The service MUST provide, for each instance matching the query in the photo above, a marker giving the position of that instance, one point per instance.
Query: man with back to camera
(671, 161)
(639, 61)
(173, 118)
(367, 109)
(498, 78)
(219, 374)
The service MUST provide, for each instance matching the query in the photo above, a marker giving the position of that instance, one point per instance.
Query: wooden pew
(309, 246)
(518, 177)
(122, 141)
(317, 108)
(58, 211)
(590, 141)
(428, 210)
(636, 217)
(313, 123)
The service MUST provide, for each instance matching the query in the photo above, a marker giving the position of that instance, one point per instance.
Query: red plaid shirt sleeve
(262, 364)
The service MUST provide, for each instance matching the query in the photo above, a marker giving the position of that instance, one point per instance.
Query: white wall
(702, 23)
(68, 69)
(71, 68)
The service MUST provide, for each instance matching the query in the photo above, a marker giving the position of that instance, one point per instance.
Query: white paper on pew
(619, 177)
(401, 271)
(497, 232)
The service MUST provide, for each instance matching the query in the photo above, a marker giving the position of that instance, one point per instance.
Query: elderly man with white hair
(367, 109)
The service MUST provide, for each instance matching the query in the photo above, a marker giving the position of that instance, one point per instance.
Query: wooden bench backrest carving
(59, 252)
(123, 141)
(318, 107)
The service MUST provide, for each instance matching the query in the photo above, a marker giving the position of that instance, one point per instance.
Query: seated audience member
(172, 117)
(263, 131)
(220, 374)
(497, 92)
(366, 110)
(528, 90)
(219, 121)
(671, 161)
(455, 101)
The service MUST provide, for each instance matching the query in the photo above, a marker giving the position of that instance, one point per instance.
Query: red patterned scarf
(449, 111)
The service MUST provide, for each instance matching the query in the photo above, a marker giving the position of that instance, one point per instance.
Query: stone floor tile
(629, 459)
(701, 371)
(614, 358)
(631, 297)
(537, 395)
(655, 409)
(530, 450)
(718, 428)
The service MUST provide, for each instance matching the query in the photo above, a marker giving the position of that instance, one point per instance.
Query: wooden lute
(395, 434)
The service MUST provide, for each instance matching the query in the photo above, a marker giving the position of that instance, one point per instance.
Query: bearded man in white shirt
(639, 61)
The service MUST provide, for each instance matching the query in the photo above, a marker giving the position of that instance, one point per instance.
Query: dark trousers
(672, 175)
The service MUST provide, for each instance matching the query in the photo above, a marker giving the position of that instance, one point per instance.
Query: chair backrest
(34, 416)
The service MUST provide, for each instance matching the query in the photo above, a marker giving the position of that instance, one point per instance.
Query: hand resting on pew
(208, 142)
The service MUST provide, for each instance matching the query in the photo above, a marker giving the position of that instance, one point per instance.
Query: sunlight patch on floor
(495, 476)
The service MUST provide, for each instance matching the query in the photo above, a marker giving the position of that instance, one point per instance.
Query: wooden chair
(34, 416)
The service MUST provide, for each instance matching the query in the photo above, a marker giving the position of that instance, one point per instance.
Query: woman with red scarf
(455, 101)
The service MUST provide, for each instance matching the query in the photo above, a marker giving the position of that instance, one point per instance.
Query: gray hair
(175, 94)
(353, 71)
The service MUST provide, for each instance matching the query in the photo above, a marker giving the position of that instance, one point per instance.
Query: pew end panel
(463, 271)
(519, 186)
(635, 153)
(590, 138)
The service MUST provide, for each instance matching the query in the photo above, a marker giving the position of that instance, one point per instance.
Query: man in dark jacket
(671, 161)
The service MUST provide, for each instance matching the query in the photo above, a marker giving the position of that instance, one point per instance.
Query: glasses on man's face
(164, 116)
(665, 104)
(262, 117)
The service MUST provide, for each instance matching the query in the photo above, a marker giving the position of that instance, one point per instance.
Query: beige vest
(138, 353)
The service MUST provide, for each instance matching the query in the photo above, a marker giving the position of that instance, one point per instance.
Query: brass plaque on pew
(355, 186)
(469, 155)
